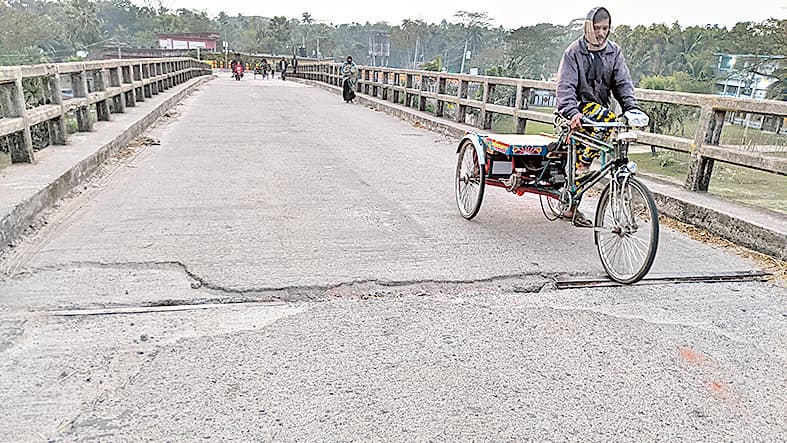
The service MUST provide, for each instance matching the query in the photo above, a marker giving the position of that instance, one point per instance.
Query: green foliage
(435, 65)
(668, 118)
(34, 31)
(534, 51)
(678, 81)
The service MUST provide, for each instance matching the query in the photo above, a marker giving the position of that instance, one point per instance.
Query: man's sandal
(581, 221)
(577, 218)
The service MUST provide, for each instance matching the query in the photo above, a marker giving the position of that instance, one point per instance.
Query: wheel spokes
(626, 232)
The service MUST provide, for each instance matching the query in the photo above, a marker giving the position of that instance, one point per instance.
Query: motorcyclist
(237, 61)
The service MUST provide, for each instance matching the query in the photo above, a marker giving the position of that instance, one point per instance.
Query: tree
(280, 31)
(534, 51)
(668, 118)
(83, 27)
(475, 23)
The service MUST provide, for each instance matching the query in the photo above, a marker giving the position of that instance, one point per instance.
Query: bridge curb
(760, 229)
(14, 223)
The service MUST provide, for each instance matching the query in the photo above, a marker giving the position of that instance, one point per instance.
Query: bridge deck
(263, 184)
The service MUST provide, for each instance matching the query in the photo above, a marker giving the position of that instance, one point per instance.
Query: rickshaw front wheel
(626, 230)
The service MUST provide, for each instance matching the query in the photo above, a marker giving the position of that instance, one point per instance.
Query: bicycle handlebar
(593, 124)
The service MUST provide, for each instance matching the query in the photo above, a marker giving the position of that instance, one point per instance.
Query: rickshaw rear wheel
(470, 181)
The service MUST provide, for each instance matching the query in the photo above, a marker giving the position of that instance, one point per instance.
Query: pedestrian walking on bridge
(283, 68)
(349, 79)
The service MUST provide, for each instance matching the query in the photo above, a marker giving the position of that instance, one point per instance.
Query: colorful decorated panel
(516, 144)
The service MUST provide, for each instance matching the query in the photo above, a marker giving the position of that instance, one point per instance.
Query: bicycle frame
(611, 155)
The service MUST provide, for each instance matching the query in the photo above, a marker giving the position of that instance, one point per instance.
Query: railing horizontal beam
(43, 113)
(11, 125)
(665, 141)
(776, 165)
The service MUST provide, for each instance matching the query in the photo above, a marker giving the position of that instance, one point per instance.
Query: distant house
(192, 40)
(747, 75)
(750, 76)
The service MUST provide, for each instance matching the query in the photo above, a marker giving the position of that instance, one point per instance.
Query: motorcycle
(238, 72)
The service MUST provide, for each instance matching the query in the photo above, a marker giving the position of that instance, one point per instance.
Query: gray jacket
(573, 86)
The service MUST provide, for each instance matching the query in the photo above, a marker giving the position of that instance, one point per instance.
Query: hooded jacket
(576, 82)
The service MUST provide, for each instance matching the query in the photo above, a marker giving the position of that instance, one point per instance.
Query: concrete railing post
(486, 116)
(148, 89)
(708, 133)
(116, 81)
(421, 99)
(14, 103)
(102, 107)
(385, 85)
(397, 80)
(461, 110)
(155, 71)
(79, 86)
(57, 126)
(440, 108)
(128, 78)
(408, 96)
(521, 103)
(139, 91)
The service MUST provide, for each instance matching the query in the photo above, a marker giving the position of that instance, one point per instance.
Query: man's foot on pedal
(577, 218)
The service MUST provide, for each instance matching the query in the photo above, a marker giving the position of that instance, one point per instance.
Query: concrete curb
(758, 229)
(20, 218)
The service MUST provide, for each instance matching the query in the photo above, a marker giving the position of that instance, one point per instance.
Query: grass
(504, 124)
(738, 135)
(735, 134)
(732, 182)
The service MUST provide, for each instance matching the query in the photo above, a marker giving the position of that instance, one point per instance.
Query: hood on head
(590, 36)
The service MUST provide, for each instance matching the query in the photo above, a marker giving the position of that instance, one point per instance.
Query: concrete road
(365, 307)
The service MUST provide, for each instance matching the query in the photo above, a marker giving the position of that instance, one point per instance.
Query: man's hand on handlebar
(576, 121)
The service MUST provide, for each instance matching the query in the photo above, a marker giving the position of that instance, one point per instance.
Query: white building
(750, 76)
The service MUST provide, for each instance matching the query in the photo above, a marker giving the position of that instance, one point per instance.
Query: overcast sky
(508, 13)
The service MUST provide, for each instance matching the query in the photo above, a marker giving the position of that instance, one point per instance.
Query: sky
(509, 13)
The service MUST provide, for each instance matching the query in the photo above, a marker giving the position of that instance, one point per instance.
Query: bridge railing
(41, 104)
(475, 95)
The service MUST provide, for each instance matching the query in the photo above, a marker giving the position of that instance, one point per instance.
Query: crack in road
(297, 292)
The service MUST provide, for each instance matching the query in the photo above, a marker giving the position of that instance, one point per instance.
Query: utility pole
(464, 56)
(415, 55)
